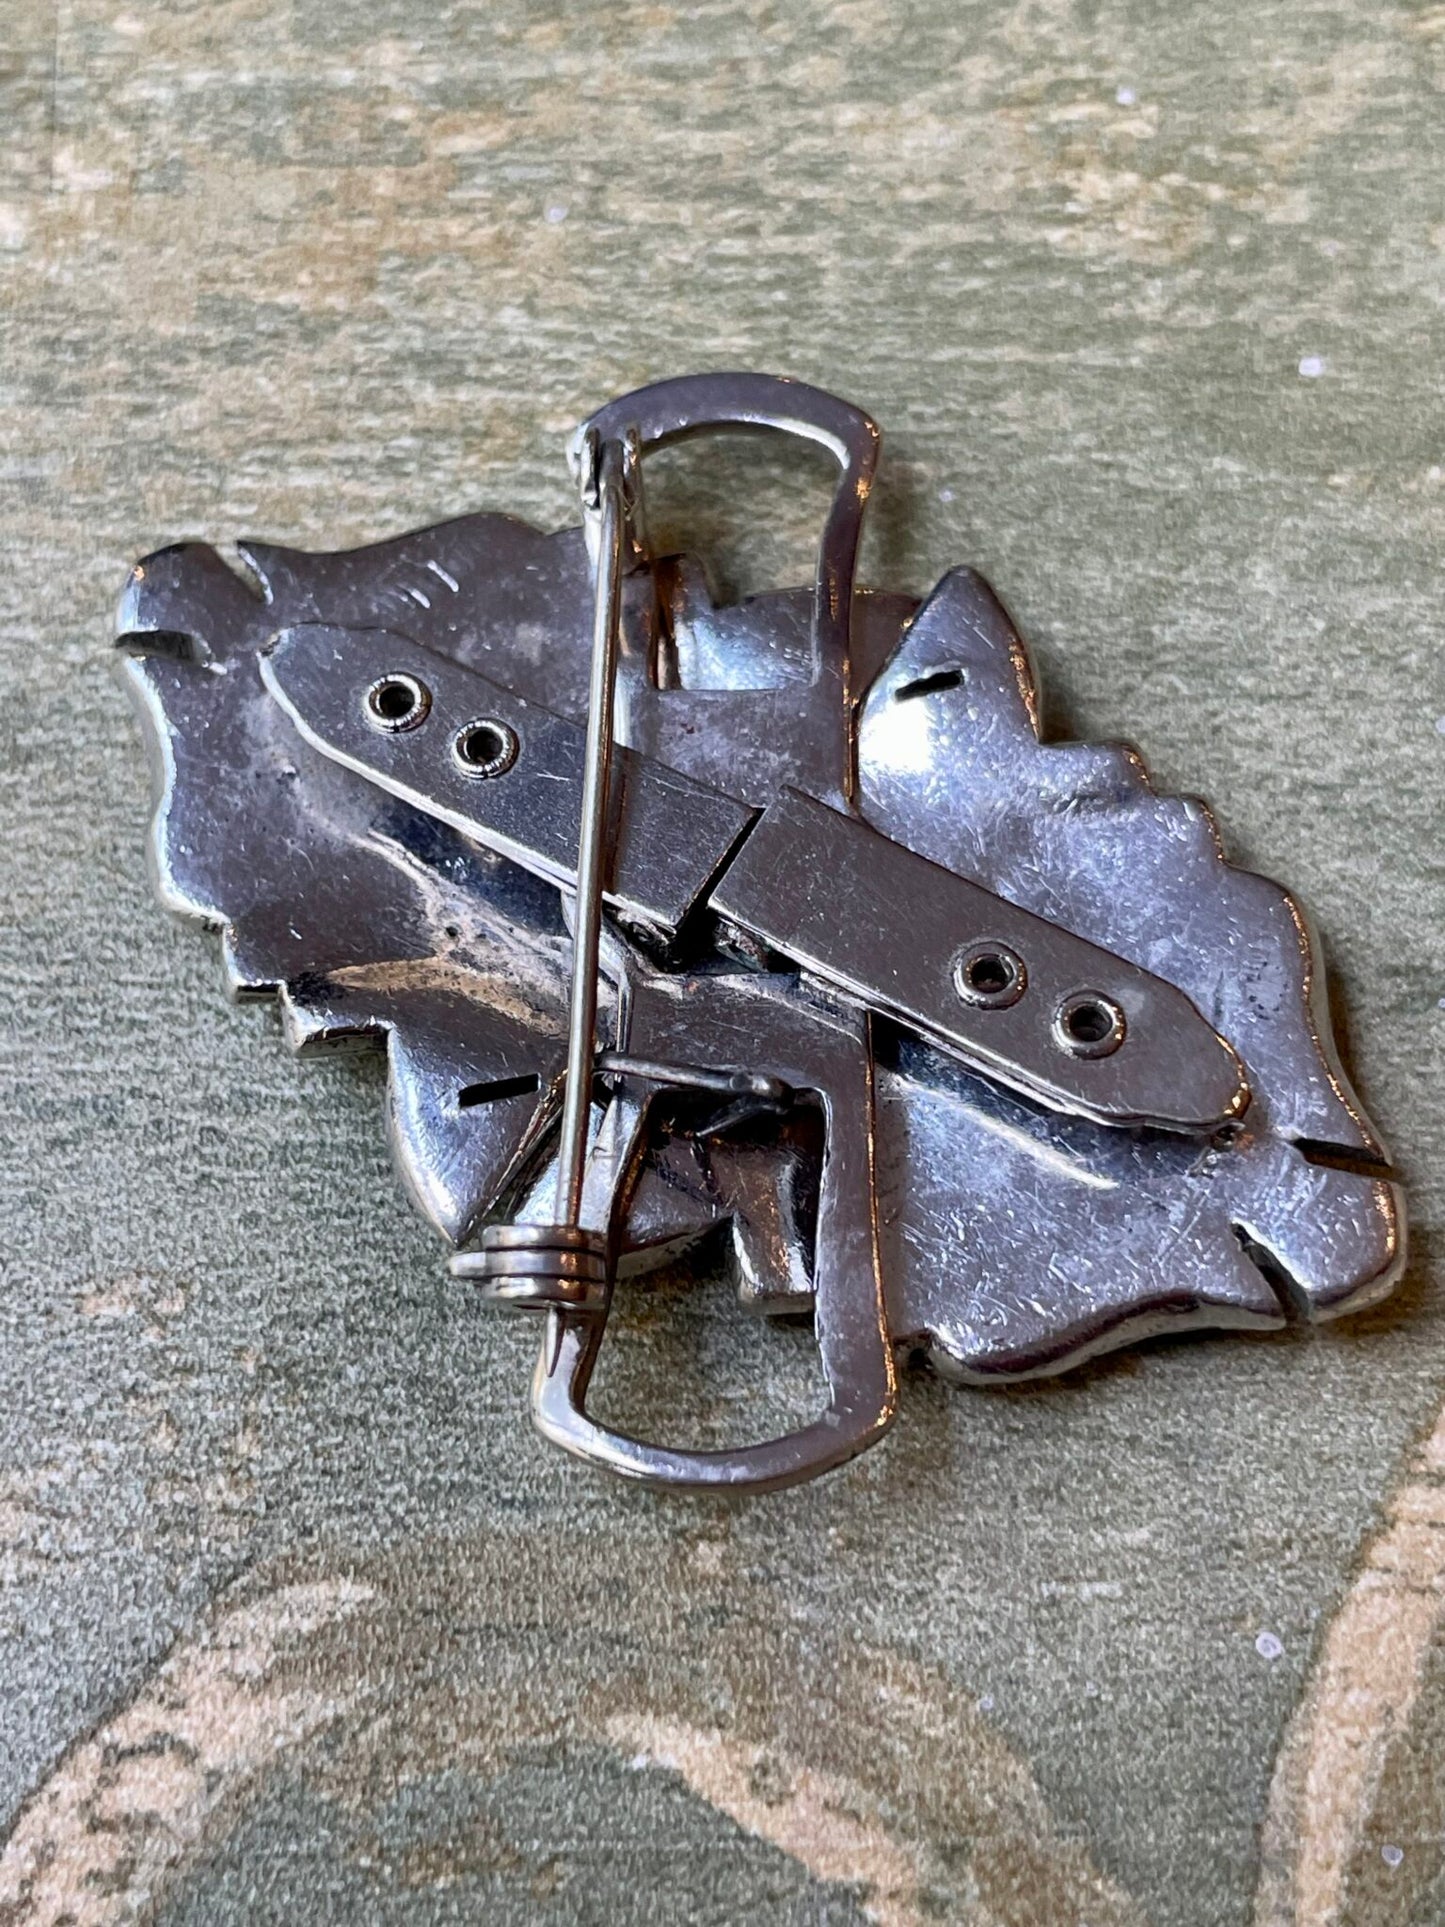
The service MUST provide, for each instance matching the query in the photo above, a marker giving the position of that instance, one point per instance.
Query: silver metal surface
(1177, 1073)
(824, 1050)
(605, 510)
(541, 1267)
(889, 928)
(705, 731)
(919, 1206)
(670, 835)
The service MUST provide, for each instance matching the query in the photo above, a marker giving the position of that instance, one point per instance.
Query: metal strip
(894, 931)
(671, 833)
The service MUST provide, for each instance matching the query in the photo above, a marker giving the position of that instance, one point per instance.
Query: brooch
(777, 921)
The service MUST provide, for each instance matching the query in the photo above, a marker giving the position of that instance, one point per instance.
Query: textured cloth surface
(299, 1622)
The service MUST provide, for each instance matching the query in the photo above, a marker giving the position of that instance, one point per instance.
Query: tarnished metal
(895, 931)
(677, 847)
(979, 1046)
(525, 799)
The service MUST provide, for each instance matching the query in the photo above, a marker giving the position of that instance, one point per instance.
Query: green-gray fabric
(299, 1620)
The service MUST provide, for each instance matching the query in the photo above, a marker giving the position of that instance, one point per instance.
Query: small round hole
(397, 702)
(485, 748)
(1089, 1024)
(393, 702)
(990, 976)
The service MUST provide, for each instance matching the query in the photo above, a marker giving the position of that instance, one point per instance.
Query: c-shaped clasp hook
(832, 1057)
(692, 405)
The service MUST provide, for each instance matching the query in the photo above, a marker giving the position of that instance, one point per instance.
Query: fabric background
(299, 1622)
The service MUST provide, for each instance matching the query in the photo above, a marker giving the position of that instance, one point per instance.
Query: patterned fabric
(298, 1621)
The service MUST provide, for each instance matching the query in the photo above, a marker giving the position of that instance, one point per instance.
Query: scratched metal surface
(297, 1619)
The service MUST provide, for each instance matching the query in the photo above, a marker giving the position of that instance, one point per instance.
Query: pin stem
(602, 496)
